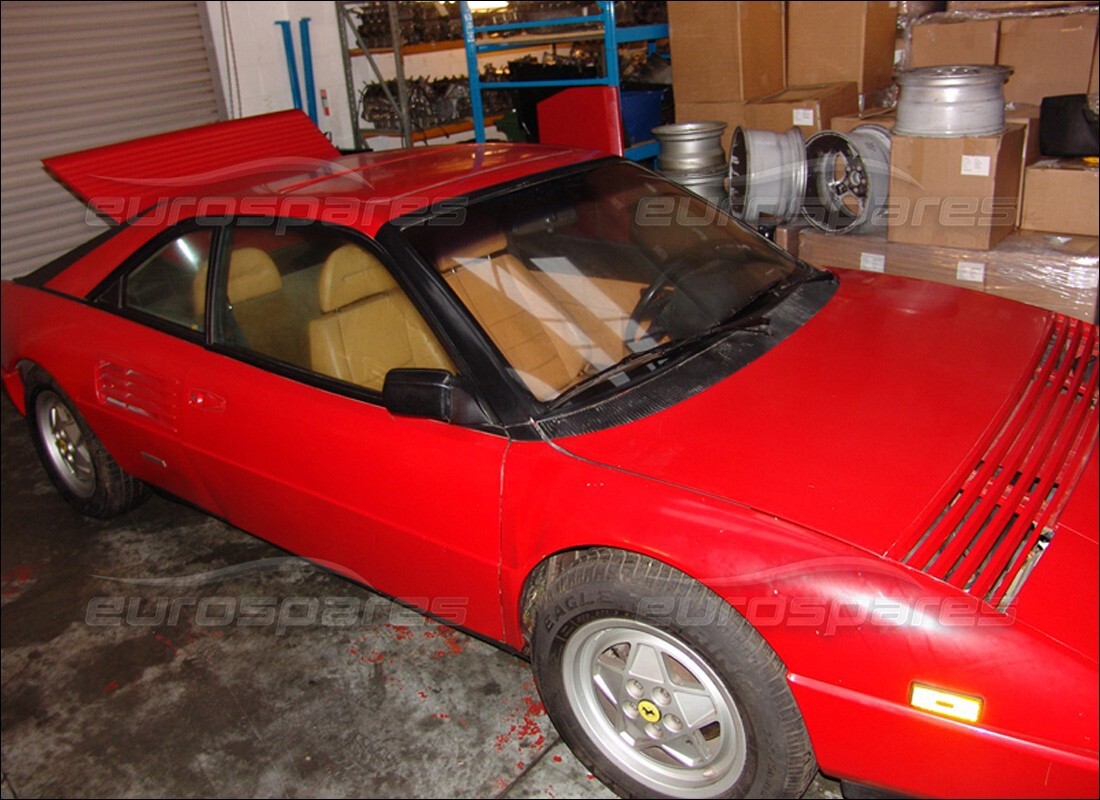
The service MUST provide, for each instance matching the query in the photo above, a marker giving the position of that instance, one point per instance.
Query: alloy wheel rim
(65, 445)
(654, 707)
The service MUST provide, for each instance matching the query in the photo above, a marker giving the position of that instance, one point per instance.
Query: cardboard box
(955, 192)
(1062, 196)
(1059, 273)
(810, 108)
(726, 51)
(845, 123)
(732, 113)
(865, 252)
(941, 41)
(1027, 115)
(1094, 77)
(951, 265)
(1049, 56)
(873, 253)
(788, 236)
(1005, 5)
(860, 43)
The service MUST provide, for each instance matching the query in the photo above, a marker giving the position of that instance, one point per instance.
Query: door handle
(206, 401)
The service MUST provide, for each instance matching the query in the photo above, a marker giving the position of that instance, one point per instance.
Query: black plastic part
(859, 791)
(432, 394)
(1068, 128)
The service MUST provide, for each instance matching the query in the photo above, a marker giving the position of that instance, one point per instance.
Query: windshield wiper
(663, 353)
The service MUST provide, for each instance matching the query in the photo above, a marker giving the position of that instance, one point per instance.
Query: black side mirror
(432, 394)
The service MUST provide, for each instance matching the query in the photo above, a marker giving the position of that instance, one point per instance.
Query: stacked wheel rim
(767, 175)
(692, 155)
(959, 100)
(849, 181)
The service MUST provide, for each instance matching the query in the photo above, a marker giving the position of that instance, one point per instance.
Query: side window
(318, 299)
(171, 284)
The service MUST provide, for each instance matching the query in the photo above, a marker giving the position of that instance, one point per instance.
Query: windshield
(576, 277)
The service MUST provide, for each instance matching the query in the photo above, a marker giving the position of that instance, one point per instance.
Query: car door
(136, 358)
(285, 422)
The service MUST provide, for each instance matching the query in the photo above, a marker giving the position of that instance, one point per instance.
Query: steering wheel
(656, 296)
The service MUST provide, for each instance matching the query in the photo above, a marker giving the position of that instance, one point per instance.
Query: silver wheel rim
(767, 175)
(65, 445)
(654, 708)
(849, 179)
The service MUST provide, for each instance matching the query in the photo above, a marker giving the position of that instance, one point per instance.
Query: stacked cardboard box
(723, 55)
(961, 191)
(810, 108)
(1056, 272)
(1062, 196)
(859, 46)
(1052, 51)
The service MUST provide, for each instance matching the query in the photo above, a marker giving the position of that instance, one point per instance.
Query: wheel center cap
(649, 711)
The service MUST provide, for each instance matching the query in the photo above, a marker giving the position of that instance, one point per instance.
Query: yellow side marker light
(945, 703)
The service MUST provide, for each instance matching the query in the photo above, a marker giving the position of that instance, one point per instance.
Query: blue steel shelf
(607, 30)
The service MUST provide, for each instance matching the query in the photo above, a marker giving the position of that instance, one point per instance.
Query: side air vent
(140, 393)
(989, 531)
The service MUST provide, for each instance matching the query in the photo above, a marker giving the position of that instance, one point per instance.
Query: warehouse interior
(167, 653)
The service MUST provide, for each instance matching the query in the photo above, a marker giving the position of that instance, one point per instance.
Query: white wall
(260, 63)
(261, 69)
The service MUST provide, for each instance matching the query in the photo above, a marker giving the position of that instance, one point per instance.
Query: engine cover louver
(988, 530)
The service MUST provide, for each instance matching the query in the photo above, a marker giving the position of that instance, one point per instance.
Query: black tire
(78, 464)
(609, 604)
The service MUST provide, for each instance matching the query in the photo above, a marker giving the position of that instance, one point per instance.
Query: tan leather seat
(367, 325)
(252, 274)
(530, 330)
(262, 318)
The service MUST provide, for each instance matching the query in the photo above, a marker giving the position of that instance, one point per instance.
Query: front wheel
(661, 689)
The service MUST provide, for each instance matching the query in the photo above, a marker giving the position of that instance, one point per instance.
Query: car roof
(280, 157)
(387, 184)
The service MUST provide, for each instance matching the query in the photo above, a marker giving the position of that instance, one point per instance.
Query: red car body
(810, 489)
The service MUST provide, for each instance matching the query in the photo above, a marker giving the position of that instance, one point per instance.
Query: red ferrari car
(746, 517)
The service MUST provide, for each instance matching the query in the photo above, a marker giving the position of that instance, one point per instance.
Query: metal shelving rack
(608, 31)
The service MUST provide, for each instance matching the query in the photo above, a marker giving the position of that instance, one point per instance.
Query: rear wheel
(77, 462)
(662, 689)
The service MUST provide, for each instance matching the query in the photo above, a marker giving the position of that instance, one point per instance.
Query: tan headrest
(252, 274)
(351, 274)
(478, 247)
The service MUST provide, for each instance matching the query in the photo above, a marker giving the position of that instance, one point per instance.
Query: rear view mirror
(431, 394)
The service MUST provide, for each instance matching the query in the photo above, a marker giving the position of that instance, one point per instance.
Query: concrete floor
(107, 692)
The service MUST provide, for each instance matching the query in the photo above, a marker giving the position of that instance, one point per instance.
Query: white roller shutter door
(81, 74)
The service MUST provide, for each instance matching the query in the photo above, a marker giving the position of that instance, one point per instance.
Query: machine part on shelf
(425, 23)
(690, 147)
(432, 103)
(962, 100)
(399, 68)
(849, 179)
(767, 175)
(711, 186)
(385, 89)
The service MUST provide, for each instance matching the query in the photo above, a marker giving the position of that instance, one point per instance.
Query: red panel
(120, 180)
(906, 751)
(857, 420)
(584, 116)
